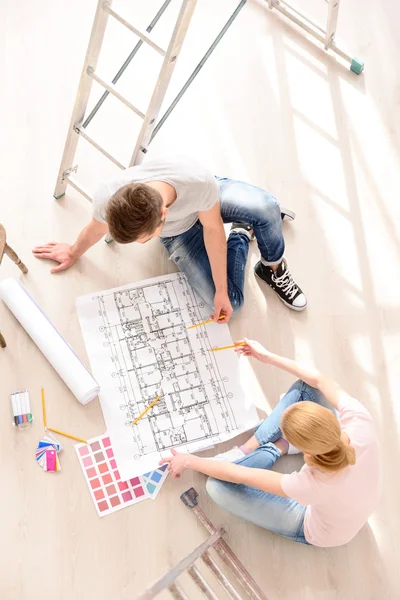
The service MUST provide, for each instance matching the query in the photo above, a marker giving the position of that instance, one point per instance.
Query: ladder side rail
(82, 97)
(331, 22)
(167, 68)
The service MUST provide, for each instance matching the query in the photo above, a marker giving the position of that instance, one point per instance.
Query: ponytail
(315, 431)
(336, 459)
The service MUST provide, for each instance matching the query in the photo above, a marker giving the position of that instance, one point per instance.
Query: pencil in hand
(206, 322)
(227, 347)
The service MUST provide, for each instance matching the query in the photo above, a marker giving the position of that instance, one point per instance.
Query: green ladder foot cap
(357, 65)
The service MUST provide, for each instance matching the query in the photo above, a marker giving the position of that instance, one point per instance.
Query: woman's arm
(309, 375)
(268, 481)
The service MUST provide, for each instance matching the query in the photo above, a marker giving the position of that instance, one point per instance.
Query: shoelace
(286, 284)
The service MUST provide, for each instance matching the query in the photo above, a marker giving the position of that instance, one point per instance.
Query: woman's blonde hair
(315, 430)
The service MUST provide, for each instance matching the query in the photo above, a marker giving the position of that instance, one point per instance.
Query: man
(183, 204)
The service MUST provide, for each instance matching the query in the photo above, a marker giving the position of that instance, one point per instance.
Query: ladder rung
(79, 130)
(141, 34)
(113, 90)
(177, 592)
(220, 576)
(72, 181)
(202, 583)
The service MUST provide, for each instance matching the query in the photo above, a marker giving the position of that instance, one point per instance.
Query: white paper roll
(49, 340)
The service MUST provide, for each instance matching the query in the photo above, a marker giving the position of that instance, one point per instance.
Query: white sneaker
(230, 456)
(292, 449)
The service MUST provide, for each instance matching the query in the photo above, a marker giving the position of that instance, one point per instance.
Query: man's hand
(61, 253)
(177, 463)
(253, 349)
(222, 308)
(67, 255)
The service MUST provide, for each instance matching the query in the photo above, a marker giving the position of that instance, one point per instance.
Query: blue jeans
(283, 516)
(239, 202)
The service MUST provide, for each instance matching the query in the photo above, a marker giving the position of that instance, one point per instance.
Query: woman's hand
(253, 349)
(177, 463)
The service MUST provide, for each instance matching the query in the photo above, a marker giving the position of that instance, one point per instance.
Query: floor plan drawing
(141, 349)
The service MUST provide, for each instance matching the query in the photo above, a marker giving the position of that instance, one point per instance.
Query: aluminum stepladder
(214, 542)
(325, 36)
(150, 127)
(103, 12)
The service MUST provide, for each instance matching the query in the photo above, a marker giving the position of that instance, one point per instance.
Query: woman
(328, 501)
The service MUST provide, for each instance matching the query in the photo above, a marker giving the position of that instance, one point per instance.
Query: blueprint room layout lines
(140, 348)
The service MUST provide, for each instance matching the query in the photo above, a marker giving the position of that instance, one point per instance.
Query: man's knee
(267, 207)
(237, 301)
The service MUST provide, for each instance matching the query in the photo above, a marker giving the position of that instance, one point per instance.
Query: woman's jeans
(240, 203)
(283, 516)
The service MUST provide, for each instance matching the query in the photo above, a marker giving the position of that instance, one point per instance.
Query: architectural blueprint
(140, 347)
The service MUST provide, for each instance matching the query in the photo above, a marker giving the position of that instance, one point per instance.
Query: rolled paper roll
(49, 340)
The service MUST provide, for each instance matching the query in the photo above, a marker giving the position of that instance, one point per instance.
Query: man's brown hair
(133, 212)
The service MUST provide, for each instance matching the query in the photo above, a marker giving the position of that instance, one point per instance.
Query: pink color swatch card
(108, 491)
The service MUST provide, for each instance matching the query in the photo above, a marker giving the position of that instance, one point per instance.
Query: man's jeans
(243, 203)
(283, 516)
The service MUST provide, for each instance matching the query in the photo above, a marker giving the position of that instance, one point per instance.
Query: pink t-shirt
(338, 505)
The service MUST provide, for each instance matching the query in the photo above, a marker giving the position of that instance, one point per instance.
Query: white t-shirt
(196, 190)
(338, 505)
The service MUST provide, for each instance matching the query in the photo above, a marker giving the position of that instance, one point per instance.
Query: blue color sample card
(154, 480)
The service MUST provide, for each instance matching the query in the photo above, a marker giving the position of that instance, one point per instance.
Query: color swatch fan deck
(109, 492)
(47, 453)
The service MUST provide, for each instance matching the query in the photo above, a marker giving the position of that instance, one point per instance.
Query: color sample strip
(154, 480)
(108, 492)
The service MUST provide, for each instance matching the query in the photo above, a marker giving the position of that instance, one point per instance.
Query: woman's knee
(312, 394)
(216, 490)
(297, 385)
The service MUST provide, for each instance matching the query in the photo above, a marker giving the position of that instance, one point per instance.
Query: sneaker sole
(297, 308)
(240, 229)
(287, 214)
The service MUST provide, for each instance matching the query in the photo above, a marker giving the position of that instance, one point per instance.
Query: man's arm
(215, 243)
(67, 255)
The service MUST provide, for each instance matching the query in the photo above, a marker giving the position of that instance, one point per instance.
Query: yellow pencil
(226, 347)
(145, 411)
(44, 409)
(206, 322)
(68, 435)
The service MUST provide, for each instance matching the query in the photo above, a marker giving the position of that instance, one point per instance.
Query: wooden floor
(269, 108)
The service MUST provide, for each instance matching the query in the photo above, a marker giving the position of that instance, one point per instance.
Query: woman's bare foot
(282, 445)
(251, 445)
